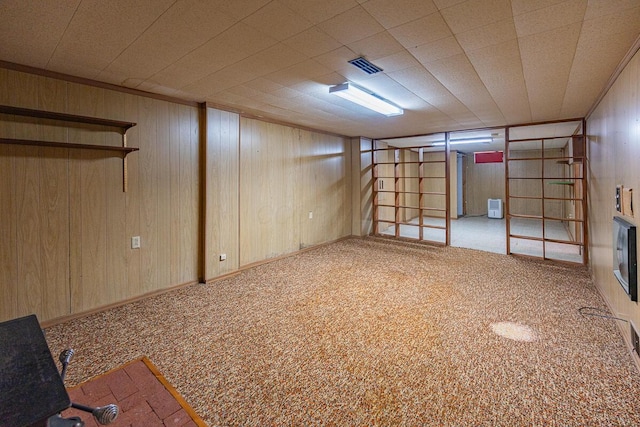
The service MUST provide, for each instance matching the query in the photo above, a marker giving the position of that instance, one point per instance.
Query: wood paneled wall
(286, 176)
(613, 150)
(222, 186)
(482, 181)
(65, 234)
(362, 186)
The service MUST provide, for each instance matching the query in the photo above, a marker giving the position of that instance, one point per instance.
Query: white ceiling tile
(238, 9)
(264, 85)
(31, 29)
(99, 31)
(233, 45)
(398, 61)
(546, 60)
(476, 13)
(320, 11)
(443, 4)
(549, 18)
(337, 59)
(171, 37)
(393, 13)
(500, 69)
(272, 59)
(312, 42)
(455, 73)
(420, 82)
(482, 74)
(421, 31)
(377, 46)
(278, 21)
(524, 6)
(308, 70)
(434, 51)
(350, 26)
(600, 8)
(488, 35)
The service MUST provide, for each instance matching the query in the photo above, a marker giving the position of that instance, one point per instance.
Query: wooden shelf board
(121, 150)
(17, 111)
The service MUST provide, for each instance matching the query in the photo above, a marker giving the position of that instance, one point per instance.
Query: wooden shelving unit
(554, 194)
(416, 179)
(121, 126)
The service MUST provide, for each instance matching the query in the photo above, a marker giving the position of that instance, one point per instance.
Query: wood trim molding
(95, 83)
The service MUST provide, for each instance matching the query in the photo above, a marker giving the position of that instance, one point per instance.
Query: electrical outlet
(135, 242)
(310, 215)
(223, 257)
(635, 341)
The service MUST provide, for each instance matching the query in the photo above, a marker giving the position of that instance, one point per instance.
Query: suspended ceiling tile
(220, 80)
(421, 82)
(308, 70)
(239, 9)
(434, 51)
(264, 85)
(396, 62)
(286, 93)
(611, 24)
(500, 70)
(272, 59)
(313, 42)
(547, 59)
(181, 29)
(549, 18)
(31, 29)
(600, 8)
(489, 35)
(443, 4)
(278, 21)
(597, 56)
(319, 11)
(421, 31)
(476, 13)
(377, 46)
(524, 6)
(337, 59)
(455, 73)
(393, 13)
(246, 91)
(499, 66)
(233, 45)
(350, 26)
(100, 31)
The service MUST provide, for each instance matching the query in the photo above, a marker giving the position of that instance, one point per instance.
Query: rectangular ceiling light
(466, 141)
(366, 99)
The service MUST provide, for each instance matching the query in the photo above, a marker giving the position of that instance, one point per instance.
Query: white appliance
(494, 207)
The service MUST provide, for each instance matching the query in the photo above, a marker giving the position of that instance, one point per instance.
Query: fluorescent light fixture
(465, 141)
(366, 99)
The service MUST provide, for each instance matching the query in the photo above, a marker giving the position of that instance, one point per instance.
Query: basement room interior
(302, 212)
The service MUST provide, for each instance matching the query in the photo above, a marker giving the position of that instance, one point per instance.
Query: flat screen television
(625, 263)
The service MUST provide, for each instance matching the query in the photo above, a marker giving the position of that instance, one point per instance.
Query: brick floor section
(144, 397)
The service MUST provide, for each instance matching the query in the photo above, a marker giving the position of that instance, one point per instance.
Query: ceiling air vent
(365, 65)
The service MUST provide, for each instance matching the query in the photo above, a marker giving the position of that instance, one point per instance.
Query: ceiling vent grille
(365, 65)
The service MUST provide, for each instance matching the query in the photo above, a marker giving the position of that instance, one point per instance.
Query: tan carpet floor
(370, 332)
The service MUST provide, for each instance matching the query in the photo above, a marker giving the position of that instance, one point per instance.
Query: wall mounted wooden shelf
(119, 151)
(122, 127)
(41, 114)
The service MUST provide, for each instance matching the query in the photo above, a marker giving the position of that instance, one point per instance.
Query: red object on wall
(489, 157)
